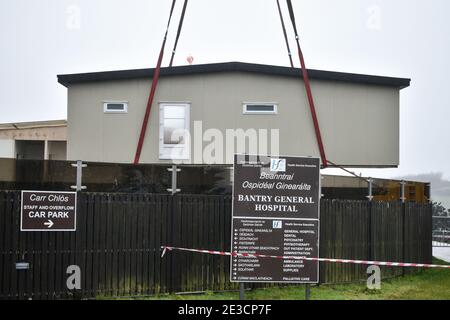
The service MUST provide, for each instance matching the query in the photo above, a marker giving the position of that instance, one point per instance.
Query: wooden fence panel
(344, 233)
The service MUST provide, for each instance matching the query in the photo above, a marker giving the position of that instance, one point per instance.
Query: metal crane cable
(180, 26)
(283, 26)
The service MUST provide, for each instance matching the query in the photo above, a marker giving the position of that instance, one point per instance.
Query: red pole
(312, 107)
(152, 92)
(149, 107)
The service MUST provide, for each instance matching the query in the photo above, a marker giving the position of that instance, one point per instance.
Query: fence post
(79, 165)
(402, 191)
(177, 238)
(370, 196)
(371, 247)
(403, 200)
(175, 281)
(174, 190)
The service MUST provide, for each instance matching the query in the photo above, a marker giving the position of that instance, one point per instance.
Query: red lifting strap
(308, 89)
(152, 91)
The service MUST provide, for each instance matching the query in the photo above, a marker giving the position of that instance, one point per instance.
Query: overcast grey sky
(404, 38)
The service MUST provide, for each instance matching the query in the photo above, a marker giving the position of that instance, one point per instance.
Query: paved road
(442, 253)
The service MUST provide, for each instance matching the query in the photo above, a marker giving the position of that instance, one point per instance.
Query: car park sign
(48, 211)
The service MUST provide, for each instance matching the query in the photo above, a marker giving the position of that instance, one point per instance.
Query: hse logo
(278, 165)
(277, 224)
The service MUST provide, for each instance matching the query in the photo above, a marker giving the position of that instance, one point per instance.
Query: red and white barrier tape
(255, 255)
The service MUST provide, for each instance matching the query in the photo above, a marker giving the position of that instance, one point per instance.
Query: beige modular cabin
(358, 114)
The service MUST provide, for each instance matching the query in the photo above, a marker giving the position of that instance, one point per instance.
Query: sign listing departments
(296, 238)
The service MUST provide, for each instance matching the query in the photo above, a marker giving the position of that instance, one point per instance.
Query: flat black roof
(68, 79)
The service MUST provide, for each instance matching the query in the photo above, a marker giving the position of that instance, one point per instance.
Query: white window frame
(106, 110)
(246, 111)
(166, 151)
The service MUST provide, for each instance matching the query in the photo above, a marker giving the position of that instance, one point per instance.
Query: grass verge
(429, 284)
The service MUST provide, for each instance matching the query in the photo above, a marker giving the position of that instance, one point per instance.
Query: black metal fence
(118, 239)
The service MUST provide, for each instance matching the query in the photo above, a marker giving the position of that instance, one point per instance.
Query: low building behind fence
(191, 179)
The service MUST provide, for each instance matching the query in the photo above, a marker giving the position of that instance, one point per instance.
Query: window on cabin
(115, 107)
(260, 108)
(174, 131)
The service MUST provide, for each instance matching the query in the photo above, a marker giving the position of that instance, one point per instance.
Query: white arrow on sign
(49, 224)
